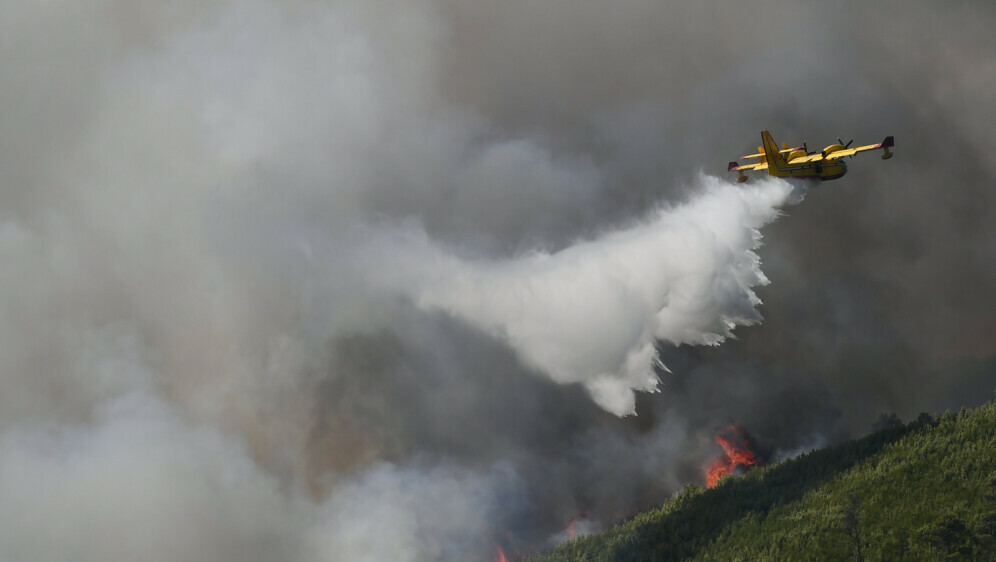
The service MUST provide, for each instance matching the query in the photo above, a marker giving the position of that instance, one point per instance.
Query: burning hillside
(738, 456)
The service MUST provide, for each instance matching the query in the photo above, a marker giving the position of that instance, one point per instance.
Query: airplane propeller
(846, 145)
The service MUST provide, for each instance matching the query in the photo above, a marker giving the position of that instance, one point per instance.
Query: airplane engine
(832, 148)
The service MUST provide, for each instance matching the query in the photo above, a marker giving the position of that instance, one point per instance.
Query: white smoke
(138, 483)
(196, 205)
(410, 515)
(591, 313)
(141, 483)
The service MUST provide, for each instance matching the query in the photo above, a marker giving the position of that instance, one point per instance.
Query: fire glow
(737, 456)
(578, 526)
(500, 556)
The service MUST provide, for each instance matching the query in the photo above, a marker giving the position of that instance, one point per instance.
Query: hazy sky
(386, 280)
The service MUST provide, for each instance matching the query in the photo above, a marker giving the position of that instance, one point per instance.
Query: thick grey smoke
(313, 280)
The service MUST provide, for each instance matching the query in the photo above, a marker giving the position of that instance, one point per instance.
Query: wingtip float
(798, 162)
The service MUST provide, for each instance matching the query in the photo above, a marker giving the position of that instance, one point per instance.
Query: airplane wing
(733, 167)
(807, 159)
(852, 151)
(760, 154)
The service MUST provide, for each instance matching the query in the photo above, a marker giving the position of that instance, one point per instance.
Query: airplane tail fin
(771, 153)
(889, 141)
(740, 173)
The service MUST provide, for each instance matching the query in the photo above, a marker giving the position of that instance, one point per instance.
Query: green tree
(897, 545)
(950, 538)
(850, 527)
(985, 530)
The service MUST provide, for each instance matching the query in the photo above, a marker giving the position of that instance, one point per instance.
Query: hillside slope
(921, 491)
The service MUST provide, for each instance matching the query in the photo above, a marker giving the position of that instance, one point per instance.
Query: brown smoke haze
(388, 280)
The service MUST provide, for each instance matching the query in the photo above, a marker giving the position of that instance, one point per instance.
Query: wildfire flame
(571, 532)
(736, 455)
(500, 556)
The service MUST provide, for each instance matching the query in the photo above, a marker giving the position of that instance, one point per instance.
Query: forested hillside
(921, 491)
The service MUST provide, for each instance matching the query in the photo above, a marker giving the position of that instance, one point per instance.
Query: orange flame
(500, 556)
(736, 455)
(571, 532)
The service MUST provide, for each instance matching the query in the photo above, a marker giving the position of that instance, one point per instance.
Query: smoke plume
(387, 280)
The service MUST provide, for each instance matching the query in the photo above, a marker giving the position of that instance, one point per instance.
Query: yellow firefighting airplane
(798, 163)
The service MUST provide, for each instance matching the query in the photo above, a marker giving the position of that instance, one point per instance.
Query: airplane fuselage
(786, 162)
(815, 171)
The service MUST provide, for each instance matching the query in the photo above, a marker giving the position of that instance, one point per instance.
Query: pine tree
(850, 527)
